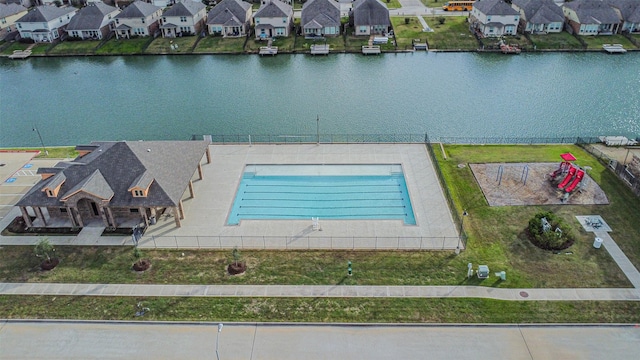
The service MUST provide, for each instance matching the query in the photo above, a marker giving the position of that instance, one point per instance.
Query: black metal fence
(621, 170)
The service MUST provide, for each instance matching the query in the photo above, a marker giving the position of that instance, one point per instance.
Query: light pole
(217, 337)
(464, 213)
(41, 142)
(318, 129)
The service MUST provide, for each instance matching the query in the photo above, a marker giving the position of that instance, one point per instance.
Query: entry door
(94, 207)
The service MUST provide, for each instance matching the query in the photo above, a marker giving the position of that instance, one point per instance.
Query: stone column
(103, 215)
(25, 216)
(181, 208)
(70, 214)
(112, 220)
(76, 214)
(40, 215)
(145, 218)
(208, 155)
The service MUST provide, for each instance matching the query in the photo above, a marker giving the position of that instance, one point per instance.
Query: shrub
(551, 239)
(406, 21)
(441, 20)
(44, 250)
(26, 41)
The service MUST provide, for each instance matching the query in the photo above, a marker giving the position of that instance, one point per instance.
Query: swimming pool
(351, 192)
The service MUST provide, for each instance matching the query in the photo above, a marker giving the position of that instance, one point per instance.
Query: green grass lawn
(57, 152)
(162, 45)
(15, 46)
(596, 42)
(319, 310)
(336, 43)
(41, 49)
(555, 41)
(433, 3)
(406, 33)
(75, 47)
(220, 45)
(124, 46)
(284, 44)
(518, 40)
(392, 4)
(454, 34)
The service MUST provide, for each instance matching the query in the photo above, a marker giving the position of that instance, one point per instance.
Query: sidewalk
(315, 291)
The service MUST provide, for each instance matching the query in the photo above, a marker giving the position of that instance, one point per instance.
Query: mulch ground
(537, 190)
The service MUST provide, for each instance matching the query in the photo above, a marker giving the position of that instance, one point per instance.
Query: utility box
(597, 243)
(483, 272)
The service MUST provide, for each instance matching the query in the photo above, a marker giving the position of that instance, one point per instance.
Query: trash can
(152, 220)
(597, 243)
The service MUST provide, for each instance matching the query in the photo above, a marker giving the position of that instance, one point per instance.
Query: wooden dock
(614, 48)
(320, 49)
(419, 45)
(20, 54)
(268, 50)
(371, 49)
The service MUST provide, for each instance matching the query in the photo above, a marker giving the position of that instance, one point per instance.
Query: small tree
(406, 21)
(441, 20)
(236, 255)
(44, 250)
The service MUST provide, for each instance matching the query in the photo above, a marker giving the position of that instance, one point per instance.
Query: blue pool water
(350, 197)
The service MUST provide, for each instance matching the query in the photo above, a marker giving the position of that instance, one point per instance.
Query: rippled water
(77, 100)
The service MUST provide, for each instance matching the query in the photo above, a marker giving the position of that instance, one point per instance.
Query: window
(362, 29)
(117, 21)
(138, 193)
(142, 20)
(134, 210)
(164, 19)
(284, 20)
(183, 19)
(63, 210)
(50, 193)
(19, 26)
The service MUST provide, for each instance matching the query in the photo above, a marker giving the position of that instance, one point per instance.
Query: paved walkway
(315, 291)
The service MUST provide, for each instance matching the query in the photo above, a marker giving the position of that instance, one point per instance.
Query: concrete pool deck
(205, 220)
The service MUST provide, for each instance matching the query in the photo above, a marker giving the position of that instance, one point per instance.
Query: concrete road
(112, 340)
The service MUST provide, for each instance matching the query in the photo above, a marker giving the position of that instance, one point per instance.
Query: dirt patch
(528, 184)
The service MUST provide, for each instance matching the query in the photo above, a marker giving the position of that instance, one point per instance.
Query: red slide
(575, 182)
(572, 171)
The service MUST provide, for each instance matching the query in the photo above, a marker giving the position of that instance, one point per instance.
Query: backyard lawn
(220, 45)
(284, 44)
(124, 46)
(406, 33)
(181, 45)
(596, 42)
(453, 34)
(75, 47)
(555, 41)
(336, 44)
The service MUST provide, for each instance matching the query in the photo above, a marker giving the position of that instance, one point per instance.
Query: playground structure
(571, 174)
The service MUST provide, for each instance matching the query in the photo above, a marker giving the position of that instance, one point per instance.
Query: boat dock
(320, 49)
(268, 50)
(20, 54)
(371, 49)
(614, 48)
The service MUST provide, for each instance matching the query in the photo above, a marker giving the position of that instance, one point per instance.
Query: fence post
(175, 238)
(264, 243)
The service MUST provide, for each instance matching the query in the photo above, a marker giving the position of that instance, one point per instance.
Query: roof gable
(138, 9)
(94, 184)
(91, 16)
(227, 10)
(495, 7)
(593, 11)
(274, 9)
(629, 9)
(7, 10)
(370, 12)
(185, 8)
(46, 13)
(324, 12)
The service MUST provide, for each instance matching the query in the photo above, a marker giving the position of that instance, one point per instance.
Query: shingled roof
(115, 167)
(629, 9)
(274, 8)
(229, 12)
(370, 12)
(46, 13)
(495, 8)
(7, 10)
(540, 11)
(593, 12)
(184, 8)
(90, 17)
(138, 9)
(320, 13)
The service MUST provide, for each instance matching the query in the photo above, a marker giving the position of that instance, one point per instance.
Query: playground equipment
(523, 176)
(570, 174)
(573, 178)
(567, 158)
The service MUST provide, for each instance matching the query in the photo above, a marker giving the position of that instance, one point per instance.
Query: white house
(9, 14)
(230, 18)
(321, 17)
(494, 18)
(93, 21)
(591, 17)
(539, 16)
(138, 19)
(273, 19)
(45, 23)
(184, 18)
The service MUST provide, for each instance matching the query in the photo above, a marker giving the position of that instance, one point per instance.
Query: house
(629, 12)
(590, 17)
(45, 23)
(25, 3)
(184, 18)
(162, 3)
(494, 18)
(93, 22)
(321, 17)
(539, 16)
(370, 17)
(116, 184)
(230, 18)
(274, 18)
(138, 19)
(9, 13)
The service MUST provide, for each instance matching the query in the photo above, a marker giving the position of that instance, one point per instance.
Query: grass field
(284, 44)
(84, 47)
(124, 46)
(454, 34)
(555, 41)
(162, 45)
(220, 45)
(406, 33)
(336, 44)
(58, 152)
(596, 42)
